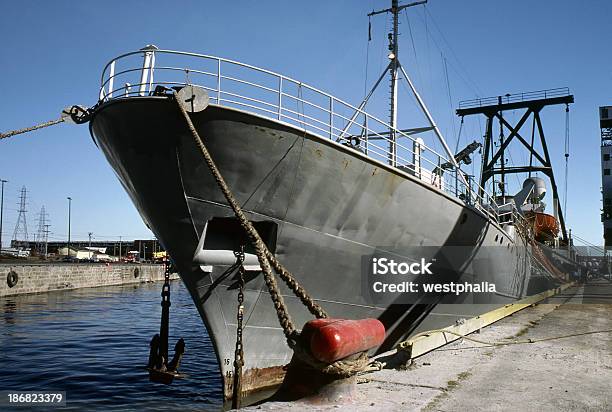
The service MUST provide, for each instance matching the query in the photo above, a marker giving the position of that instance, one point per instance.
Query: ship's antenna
(393, 71)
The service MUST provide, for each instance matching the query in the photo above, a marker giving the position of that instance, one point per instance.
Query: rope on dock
(404, 345)
(514, 342)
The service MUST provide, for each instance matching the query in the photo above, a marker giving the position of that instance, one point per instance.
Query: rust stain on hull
(256, 380)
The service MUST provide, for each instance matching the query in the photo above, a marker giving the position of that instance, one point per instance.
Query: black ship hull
(321, 206)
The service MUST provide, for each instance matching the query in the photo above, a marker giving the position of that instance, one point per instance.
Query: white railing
(281, 98)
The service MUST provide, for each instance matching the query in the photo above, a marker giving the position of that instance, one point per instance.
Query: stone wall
(37, 278)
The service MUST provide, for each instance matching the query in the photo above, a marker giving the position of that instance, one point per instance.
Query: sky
(52, 55)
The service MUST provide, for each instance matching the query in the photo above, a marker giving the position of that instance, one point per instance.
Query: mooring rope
(76, 114)
(31, 129)
(266, 259)
(404, 345)
(514, 342)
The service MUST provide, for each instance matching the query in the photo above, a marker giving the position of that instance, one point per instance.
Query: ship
(325, 184)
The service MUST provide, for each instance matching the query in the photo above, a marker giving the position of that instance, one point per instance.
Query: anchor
(160, 370)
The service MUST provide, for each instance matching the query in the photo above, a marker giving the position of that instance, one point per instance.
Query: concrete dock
(571, 370)
(24, 278)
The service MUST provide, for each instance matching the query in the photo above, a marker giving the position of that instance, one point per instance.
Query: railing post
(111, 79)
(147, 68)
(218, 81)
(331, 117)
(280, 97)
(417, 148)
(367, 137)
(469, 190)
(456, 181)
(151, 71)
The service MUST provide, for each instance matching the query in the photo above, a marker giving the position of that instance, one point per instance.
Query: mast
(393, 51)
(393, 68)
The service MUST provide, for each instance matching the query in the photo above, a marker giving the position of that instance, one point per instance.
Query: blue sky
(52, 55)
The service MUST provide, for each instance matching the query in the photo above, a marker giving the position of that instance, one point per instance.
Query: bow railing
(275, 96)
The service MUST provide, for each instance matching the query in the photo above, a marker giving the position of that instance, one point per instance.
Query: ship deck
(571, 373)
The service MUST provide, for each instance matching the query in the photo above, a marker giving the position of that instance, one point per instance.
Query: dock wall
(38, 278)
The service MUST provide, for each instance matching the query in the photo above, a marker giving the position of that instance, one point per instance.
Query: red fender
(334, 339)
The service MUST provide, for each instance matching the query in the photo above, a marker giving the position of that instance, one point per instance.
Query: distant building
(605, 125)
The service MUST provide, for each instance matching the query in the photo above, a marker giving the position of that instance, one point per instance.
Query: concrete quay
(571, 370)
(39, 278)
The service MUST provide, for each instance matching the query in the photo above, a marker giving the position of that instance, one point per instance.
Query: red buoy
(334, 339)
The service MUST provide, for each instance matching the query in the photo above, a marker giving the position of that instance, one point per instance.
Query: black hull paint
(331, 206)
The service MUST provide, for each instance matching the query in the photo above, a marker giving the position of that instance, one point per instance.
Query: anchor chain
(165, 318)
(264, 256)
(161, 369)
(239, 352)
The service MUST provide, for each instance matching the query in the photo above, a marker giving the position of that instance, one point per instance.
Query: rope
(264, 256)
(376, 365)
(365, 81)
(450, 103)
(514, 342)
(342, 368)
(458, 135)
(414, 52)
(77, 114)
(31, 129)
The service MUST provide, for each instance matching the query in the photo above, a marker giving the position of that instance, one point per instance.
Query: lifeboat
(545, 226)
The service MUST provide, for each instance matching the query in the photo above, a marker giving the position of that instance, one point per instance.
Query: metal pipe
(218, 81)
(331, 117)
(111, 80)
(393, 69)
(146, 68)
(280, 97)
(451, 156)
(363, 103)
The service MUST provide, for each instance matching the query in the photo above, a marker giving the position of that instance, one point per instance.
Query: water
(94, 344)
